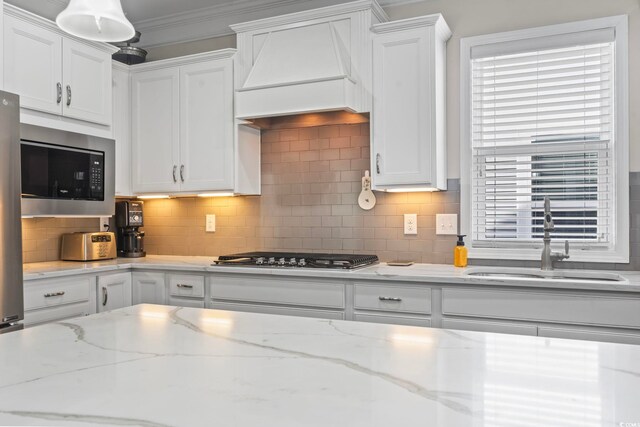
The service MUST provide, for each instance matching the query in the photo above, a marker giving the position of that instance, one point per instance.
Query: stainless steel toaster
(88, 246)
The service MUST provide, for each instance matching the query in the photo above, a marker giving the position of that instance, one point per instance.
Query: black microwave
(66, 173)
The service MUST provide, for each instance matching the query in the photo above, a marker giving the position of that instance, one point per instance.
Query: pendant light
(98, 20)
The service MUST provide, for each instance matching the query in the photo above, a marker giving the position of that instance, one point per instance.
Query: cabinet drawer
(495, 327)
(589, 335)
(186, 285)
(56, 292)
(285, 311)
(186, 302)
(392, 298)
(392, 320)
(278, 291)
(58, 313)
(545, 307)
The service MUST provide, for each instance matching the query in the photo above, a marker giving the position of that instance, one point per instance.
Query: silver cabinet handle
(182, 285)
(105, 296)
(182, 173)
(68, 95)
(394, 299)
(59, 92)
(54, 294)
(378, 163)
(174, 173)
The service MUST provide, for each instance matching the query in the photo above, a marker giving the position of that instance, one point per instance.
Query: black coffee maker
(129, 219)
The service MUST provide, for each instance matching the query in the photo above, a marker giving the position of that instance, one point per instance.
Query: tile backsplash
(41, 236)
(311, 179)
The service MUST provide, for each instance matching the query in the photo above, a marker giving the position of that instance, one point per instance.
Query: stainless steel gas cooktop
(298, 260)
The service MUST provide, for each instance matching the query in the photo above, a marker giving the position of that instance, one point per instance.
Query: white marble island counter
(164, 366)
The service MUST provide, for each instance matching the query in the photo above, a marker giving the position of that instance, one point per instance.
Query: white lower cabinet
(392, 303)
(288, 296)
(274, 309)
(582, 315)
(149, 288)
(589, 334)
(114, 291)
(186, 290)
(50, 300)
(490, 326)
(392, 319)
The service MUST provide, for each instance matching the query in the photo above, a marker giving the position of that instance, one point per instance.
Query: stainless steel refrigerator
(11, 290)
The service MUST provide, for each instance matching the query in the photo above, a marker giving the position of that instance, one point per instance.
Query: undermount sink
(531, 273)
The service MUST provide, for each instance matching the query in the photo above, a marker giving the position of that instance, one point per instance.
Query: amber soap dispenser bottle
(460, 253)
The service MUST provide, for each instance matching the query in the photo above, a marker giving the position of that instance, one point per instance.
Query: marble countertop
(164, 366)
(417, 273)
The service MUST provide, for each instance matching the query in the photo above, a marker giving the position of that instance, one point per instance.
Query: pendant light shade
(99, 20)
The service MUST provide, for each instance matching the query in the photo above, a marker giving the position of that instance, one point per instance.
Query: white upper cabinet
(33, 65)
(206, 125)
(156, 130)
(55, 73)
(122, 127)
(87, 78)
(183, 136)
(408, 119)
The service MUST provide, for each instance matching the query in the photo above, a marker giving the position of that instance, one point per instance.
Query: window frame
(619, 252)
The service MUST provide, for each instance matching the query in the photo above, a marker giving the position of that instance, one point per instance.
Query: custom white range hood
(313, 61)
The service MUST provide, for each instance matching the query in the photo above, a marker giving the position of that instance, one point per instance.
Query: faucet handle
(566, 249)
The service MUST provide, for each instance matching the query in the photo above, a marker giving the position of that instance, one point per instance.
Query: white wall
(474, 17)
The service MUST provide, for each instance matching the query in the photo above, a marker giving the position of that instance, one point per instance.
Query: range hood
(313, 61)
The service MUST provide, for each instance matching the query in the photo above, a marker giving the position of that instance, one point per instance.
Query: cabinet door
(122, 130)
(149, 288)
(402, 147)
(86, 73)
(155, 131)
(114, 291)
(33, 65)
(206, 126)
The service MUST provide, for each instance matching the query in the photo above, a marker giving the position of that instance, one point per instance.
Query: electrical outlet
(447, 224)
(104, 223)
(211, 223)
(410, 224)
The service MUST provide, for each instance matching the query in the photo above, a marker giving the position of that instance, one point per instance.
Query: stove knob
(281, 261)
(302, 262)
(293, 262)
(260, 261)
(272, 260)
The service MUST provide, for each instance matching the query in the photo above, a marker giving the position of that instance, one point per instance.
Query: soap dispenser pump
(460, 252)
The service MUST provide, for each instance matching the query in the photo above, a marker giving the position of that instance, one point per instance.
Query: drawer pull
(182, 285)
(393, 299)
(54, 294)
(105, 296)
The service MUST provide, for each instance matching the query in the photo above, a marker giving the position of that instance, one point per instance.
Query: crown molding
(215, 21)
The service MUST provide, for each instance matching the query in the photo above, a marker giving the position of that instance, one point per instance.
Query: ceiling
(165, 22)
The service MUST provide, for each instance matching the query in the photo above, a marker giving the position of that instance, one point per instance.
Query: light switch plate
(211, 223)
(447, 224)
(410, 224)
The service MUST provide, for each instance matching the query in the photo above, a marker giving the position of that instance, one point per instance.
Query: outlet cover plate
(410, 224)
(447, 224)
(211, 223)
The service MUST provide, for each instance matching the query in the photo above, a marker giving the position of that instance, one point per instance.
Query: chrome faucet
(548, 257)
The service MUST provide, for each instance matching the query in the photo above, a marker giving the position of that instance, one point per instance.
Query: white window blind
(543, 125)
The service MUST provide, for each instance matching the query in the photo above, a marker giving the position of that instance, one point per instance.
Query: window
(544, 114)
